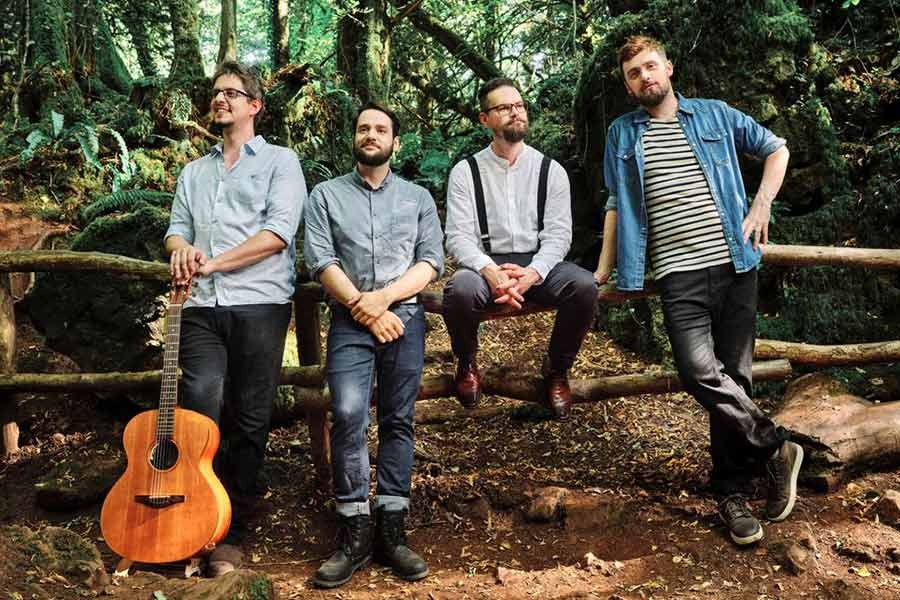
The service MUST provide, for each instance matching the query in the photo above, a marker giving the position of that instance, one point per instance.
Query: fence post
(10, 430)
(309, 350)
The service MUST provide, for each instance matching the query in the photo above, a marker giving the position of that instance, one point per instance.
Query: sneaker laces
(734, 507)
(778, 472)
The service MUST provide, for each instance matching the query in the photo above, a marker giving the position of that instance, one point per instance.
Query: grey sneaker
(782, 471)
(742, 525)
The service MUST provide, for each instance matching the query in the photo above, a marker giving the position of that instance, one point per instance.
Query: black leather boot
(354, 551)
(391, 549)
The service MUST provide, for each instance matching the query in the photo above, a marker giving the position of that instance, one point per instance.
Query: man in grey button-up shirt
(374, 241)
(234, 218)
(524, 261)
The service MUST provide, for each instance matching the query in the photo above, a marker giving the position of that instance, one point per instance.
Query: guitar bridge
(154, 501)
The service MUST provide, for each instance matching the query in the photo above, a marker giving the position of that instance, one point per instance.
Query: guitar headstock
(180, 291)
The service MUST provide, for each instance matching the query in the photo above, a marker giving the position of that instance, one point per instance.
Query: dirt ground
(636, 520)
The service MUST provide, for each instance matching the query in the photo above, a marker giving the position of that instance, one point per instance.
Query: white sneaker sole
(795, 473)
(743, 541)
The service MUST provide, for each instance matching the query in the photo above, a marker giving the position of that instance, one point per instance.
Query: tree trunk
(187, 64)
(10, 430)
(364, 49)
(51, 85)
(280, 34)
(140, 36)
(842, 434)
(228, 32)
(100, 56)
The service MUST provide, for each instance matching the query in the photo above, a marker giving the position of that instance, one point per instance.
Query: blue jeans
(231, 363)
(354, 360)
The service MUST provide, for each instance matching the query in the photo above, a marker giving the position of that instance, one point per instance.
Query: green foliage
(424, 160)
(126, 200)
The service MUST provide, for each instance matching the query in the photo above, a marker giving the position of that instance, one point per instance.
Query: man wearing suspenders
(509, 226)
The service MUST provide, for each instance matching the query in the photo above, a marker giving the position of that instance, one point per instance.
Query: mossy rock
(241, 584)
(103, 322)
(54, 550)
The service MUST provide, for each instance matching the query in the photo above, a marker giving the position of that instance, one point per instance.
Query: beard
(514, 132)
(650, 98)
(373, 160)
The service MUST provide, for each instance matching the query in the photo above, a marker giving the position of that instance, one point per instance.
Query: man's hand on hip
(370, 306)
(185, 262)
(386, 328)
(756, 223)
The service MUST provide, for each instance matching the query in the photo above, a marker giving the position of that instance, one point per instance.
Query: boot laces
(734, 507)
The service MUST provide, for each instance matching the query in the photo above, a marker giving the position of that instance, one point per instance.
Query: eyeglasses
(230, 93)
(505, 109)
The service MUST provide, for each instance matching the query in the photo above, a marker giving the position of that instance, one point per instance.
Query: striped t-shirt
(685, 225)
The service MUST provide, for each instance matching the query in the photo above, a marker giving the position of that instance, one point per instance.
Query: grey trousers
(710, 316)
(567, 287)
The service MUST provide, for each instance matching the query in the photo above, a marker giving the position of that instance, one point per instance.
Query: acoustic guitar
(168, 506)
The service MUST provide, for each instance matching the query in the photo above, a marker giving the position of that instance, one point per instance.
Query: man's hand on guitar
(185, 262)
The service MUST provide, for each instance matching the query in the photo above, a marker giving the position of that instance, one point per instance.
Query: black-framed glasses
(230, 93)
(505, 109)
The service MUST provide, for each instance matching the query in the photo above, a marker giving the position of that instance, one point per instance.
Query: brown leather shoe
(468, 385)
(559, 396)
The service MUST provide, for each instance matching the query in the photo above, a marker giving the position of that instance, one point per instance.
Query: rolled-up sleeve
(462, 241)
(287, 195)
(609, 170)
(318, 245)
(429, 239)
(752, 138)
(556, 236)
(180, 221)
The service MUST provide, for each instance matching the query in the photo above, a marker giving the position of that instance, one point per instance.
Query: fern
(124, 200)
(90, 145)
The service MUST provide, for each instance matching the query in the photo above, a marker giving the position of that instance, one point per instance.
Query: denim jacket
(716, 133)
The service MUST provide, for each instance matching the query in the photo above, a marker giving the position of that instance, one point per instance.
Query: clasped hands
(371, 310)
(188, 261)
(509, 282)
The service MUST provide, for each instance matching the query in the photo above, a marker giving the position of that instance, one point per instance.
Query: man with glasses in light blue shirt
(233, 223)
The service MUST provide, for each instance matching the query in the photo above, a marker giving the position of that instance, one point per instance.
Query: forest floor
(634, 517)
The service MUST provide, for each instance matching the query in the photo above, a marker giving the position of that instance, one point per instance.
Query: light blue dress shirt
(216, 210)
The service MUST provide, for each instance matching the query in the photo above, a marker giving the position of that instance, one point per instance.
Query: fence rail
(309, 379)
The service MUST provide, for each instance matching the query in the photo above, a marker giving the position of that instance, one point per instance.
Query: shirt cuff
(542, 270)
(184, 232)
(771, 146)
(437, 265)
(612, 203)
(481, 261)
(317, 268)
(281, 233)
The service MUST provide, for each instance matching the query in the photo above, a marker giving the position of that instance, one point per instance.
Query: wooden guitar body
(172, 513)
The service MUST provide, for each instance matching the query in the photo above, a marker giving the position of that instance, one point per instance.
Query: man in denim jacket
(677, 205)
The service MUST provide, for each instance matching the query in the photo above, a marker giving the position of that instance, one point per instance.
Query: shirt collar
(251, 147)
(361, 182)
(684, 105)
(493, 156)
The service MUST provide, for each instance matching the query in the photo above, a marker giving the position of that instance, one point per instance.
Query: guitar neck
(168, 395)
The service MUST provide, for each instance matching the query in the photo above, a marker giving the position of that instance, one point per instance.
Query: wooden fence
(776, 356)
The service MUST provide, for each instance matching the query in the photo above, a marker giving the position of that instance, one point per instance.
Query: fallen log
(68, 260)
(842, 434)
(117, 382)
(818, 256)
(812, 354)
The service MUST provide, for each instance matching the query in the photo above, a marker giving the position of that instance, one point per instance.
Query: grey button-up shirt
(374, 235)
(217, 209)
(510, 198)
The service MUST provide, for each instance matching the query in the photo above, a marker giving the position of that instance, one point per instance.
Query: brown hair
(636, 44)
(395, 120)
(249, 77)
(490, 86)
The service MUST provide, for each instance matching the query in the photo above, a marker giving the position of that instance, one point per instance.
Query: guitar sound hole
(164, 455)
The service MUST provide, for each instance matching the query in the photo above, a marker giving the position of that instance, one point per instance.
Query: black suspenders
(482, 210)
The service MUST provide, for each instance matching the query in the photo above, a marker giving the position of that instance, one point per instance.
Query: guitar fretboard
(168, 395)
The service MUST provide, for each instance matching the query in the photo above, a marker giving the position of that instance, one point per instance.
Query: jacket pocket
(715, 146)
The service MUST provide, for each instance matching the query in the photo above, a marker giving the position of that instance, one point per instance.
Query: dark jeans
(567, 287)
(710, 316)
(354, 360)
(242, 345)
